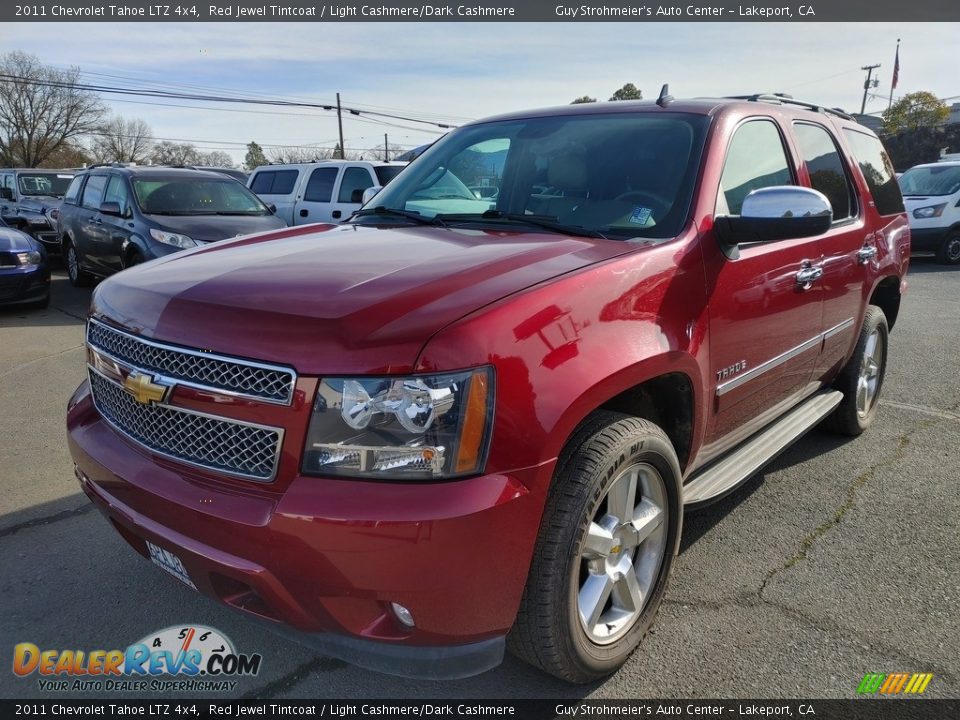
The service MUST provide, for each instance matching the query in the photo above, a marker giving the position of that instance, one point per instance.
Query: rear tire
(78, 276)
(861, 379)
(609, 533)
(949, 252)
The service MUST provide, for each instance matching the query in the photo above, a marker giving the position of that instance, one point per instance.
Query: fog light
(403, 615)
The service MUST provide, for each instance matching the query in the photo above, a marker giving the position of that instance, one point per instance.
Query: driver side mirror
(370, 193)
(6, 193)
(782, 212)
(111, 208)
(272, 208)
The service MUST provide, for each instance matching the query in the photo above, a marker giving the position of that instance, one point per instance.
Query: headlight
(422, 427)
(931, 211)
(29, 258)
(175, 239)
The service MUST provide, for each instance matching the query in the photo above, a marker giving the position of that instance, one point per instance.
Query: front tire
(949, 252)
(609, 533)
(861, 379)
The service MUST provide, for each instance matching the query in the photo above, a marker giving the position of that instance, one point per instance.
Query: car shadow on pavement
(697, 523)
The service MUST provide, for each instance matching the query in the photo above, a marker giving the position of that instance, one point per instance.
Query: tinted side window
(274, 182)
(878, 171)
(825, 168)
(320, 184)
(93, 192)
(354, 179)
(73, 192)
(755, 159)
(117, 192)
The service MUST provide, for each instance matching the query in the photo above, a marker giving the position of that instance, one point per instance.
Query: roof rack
(109, 164)
(784, 99)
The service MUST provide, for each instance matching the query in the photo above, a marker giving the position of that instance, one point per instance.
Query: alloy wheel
(622, 553)
(870, 373)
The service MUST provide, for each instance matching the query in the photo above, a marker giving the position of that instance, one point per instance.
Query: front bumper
(323, 560)
(24, 284)
(927, 239)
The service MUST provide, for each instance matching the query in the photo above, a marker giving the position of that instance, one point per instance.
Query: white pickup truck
(323, 191)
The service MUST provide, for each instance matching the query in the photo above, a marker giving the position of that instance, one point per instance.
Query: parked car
(116, 217)
(931, 193)
(30, 199)
(24, 271)
(458, 424)
(324, 191)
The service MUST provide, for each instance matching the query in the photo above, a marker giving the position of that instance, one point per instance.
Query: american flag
(896, 69)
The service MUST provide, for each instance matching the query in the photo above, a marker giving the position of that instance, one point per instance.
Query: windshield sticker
(640, 215)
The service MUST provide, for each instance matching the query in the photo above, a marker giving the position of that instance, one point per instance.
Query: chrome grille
(242, 449)
(232, 375)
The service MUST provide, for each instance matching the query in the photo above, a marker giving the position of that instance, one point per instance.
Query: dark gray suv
(116, 217)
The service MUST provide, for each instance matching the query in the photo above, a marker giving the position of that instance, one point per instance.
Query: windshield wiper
(397, 212)
(547, 222)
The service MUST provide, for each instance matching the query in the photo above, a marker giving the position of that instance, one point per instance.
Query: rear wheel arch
(886, 296)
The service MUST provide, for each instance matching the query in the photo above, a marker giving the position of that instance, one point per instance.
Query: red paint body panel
(567, 323)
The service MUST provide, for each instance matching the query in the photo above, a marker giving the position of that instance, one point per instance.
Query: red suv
(472, 418)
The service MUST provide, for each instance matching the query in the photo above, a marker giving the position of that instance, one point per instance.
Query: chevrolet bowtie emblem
(144, 389)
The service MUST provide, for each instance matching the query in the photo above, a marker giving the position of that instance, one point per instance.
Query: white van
(931, 194)
(322, 191)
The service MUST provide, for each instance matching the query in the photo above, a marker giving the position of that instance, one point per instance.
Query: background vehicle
(30, 199)
(524, 391)
(115, 217)
(24, 272)
(324, 191)
(931, 194)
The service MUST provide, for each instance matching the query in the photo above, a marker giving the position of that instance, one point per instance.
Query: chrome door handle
(865, 253)
(808, 275)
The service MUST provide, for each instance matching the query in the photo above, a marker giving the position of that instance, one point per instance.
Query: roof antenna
(665, 97)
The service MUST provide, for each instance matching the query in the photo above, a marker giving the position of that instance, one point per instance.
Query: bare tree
(41, 109)
(169, 153)
(299, 154)
(216, 158)
(121, 140)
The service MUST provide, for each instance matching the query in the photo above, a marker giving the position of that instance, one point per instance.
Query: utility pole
(866, 85)
(343, 154)
(386, 149)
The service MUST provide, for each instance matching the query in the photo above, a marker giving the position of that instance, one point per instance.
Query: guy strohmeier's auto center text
(424, 11)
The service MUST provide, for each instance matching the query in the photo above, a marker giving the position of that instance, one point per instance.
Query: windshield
(934, 180)
(620, 175)
(54, 184)
(196, 196)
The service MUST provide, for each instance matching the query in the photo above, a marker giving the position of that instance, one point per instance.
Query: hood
(210, 228)
(40, 203)
(335, 299)
(15, 241)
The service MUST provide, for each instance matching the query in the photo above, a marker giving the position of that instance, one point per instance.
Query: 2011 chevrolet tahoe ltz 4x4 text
(467, 422)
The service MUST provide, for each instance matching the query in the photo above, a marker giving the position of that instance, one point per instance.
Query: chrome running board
(727, 474)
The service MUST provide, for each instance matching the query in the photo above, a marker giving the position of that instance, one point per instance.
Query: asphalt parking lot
(841, 558)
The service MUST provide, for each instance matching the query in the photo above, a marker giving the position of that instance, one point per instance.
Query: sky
(454, 72)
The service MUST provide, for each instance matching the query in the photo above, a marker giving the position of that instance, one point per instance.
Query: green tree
(255, 157)
(914, 111)
(627, 92)
(583, 99)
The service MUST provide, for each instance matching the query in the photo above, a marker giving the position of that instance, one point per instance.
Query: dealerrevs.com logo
(201, 658)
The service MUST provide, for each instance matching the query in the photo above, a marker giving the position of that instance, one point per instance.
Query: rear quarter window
(877, 171)
(274, 182)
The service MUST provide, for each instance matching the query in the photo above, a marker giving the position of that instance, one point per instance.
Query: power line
(108, 89)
